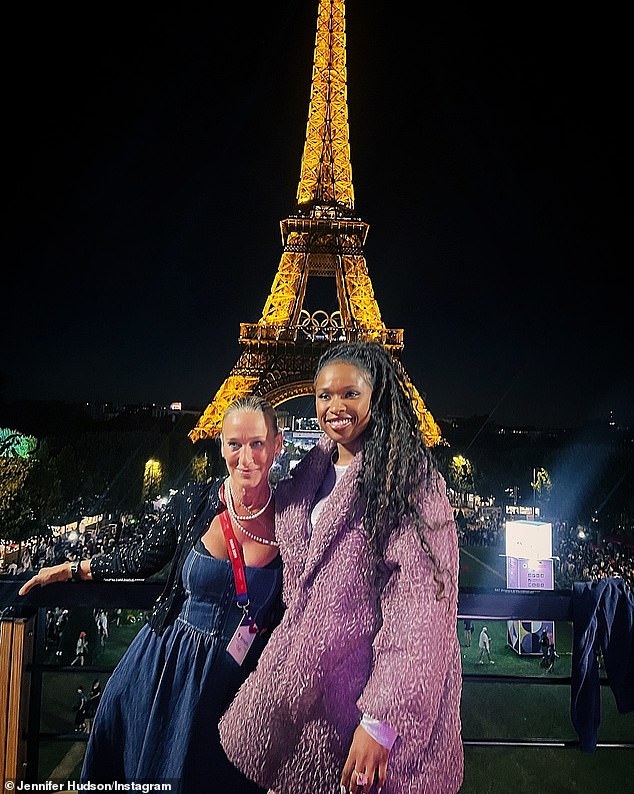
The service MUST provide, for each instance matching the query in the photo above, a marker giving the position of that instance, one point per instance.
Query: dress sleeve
(414, 648)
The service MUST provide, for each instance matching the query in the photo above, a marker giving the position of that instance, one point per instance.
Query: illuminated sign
(14, 444)
(523, 574)
(529, 566)
(531, 540)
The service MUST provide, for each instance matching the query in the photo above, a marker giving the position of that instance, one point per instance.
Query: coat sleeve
(415, 646)
(142, 557)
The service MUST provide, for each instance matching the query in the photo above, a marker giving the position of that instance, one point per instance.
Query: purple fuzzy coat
(352, 642)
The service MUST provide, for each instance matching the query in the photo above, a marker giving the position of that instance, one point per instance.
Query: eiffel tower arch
(324, 239)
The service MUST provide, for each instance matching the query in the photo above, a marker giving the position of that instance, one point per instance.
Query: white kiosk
(529, 566)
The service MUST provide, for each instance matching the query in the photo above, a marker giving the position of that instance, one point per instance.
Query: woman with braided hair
(359, 686)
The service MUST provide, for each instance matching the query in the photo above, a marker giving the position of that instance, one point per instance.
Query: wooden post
(16, 652)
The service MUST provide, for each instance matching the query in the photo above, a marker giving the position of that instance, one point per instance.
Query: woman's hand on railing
(56, 573)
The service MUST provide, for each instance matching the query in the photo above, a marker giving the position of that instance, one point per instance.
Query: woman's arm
(57, 573)
(136, 559)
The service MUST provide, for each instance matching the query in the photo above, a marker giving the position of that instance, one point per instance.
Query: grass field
(490, 710)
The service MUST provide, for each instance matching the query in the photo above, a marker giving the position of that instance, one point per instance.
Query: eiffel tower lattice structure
(324, 239)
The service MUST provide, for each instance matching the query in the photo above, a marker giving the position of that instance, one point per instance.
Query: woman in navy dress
(158, 716)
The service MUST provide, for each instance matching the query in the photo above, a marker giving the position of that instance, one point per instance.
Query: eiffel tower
(324, 239)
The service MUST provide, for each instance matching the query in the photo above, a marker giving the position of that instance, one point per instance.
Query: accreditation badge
(242, 639)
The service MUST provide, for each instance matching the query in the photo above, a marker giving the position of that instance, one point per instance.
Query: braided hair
(396, 459)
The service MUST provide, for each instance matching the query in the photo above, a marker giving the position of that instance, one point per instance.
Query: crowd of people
(475, 529)
(47, 550)
(579, 557)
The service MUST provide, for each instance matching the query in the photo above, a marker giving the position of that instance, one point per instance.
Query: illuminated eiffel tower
(324, 239)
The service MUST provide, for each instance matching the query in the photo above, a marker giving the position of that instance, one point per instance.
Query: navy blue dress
(158, 716)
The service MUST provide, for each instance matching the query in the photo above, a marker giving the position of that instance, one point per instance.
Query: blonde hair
(253, 403)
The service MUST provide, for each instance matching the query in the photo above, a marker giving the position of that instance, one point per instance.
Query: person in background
(543, 646)
(60, 624)
(360, 684)
(79, 707)
(101, 622)
(81, 649)
(157, 719)
(92, 703)
(468, 632)
(551, 656)
(484, 644)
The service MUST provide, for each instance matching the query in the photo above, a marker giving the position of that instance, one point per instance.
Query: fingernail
(343, 789)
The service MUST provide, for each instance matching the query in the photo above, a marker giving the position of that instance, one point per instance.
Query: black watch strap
(75, 575)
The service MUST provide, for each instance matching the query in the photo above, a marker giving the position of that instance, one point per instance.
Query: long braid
(395, 458)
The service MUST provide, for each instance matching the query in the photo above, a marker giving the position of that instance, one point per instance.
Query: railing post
(16, 651)
(35, 697)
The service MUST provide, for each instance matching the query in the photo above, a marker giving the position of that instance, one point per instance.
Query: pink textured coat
(352, 642)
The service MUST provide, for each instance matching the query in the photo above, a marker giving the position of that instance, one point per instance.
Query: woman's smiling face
(342, 398)
(249, 447)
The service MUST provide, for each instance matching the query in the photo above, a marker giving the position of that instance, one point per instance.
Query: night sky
(152, 156)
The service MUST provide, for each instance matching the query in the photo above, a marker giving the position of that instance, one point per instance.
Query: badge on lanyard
(243, 638)
(247, 629)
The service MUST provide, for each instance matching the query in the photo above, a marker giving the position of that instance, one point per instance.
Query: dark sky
(152, 156)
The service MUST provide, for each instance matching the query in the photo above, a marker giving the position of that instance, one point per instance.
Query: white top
(333, 475)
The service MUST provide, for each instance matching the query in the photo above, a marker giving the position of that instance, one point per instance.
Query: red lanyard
(235, 555)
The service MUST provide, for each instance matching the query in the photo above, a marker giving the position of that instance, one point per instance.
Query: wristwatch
(75, 574)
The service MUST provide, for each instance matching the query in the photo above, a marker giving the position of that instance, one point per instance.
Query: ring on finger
(362, 779)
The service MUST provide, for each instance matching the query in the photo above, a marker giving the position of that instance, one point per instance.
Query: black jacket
(603, 620)
(178, 527)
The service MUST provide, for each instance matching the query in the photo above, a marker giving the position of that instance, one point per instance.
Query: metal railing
(475, 603)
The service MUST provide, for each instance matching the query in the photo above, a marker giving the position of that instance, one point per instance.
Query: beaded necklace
(234, 515)
(252, 515)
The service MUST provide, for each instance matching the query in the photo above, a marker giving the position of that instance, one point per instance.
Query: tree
(541, 485)
(200, 467)
(21, 516)
(19, 495)
(152, 479)
(461, 476)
